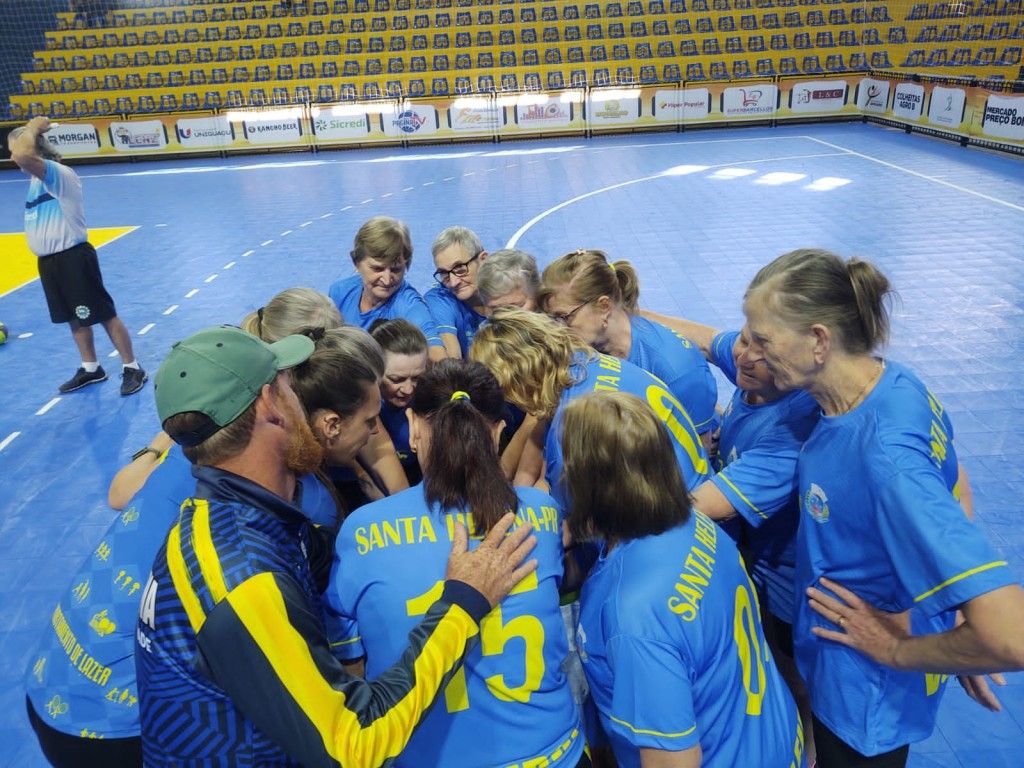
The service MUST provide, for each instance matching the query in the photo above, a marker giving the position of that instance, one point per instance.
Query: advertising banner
(817, 96)
(549, 113)
(873, 95)
(272, 127)
(613, 107)
(138, 136)
(688, 104)
(947, 106)
(477, 116)
(908, 101)
(408, 121)
(1003, 117)
(74, 139)
(755, 100)
(204, 132)
(331, 125)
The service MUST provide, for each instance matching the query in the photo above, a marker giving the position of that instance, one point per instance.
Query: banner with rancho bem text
(960, 110)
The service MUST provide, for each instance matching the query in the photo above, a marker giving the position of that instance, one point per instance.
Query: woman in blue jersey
(543, 365)
(508, 279)
(382, 254)
(454, 302)
(405, 362)
(879, 516)
(670, 635)
(598, 300)
(510, 703)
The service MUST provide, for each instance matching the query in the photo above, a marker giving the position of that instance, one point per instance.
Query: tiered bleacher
(205, 55)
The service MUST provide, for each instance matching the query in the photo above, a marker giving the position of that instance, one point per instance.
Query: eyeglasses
(566, 319)
(460, 269)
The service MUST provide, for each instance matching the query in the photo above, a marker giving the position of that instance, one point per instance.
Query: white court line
(932, 179)
(367, 200)
(248, 253)
(229, 265)
(211, 278)
(327, 216)
(348, 206)
(286, 233)
(408, 189)
(147, 328)
(8, 440)
(446, 178)
(427, 183)
(191, 293)
(565, 203)
(469, 173)
(265, 243)
(26, 335)
(113, 353)
(170, 309)
(48, 406)
(387, 194)
(159, 225)
(305, 224)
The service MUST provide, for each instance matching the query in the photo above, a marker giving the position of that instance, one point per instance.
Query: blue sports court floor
(698, 213)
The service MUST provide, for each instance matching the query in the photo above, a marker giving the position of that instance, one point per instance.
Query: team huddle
(505, 524)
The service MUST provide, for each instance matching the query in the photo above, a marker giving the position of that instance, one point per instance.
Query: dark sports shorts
(74, 286)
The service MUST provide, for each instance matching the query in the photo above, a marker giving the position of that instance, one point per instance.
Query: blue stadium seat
(463, 61)
(695, 71)
(787, 66)
(718, 71)
(485, 84)
(190, 100)
(764, 68)
(285, 72)
(555, 80)
(396, 65)
(463, 84)
(811, 65)
(834, 63)
(438, 86)
(325, 92)
(824, 40)
(197, 77)
(241, 75)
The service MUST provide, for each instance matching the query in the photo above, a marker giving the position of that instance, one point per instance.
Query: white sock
(133, 364)
(90, 367)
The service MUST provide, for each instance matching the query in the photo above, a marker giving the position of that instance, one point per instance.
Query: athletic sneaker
(132, 380)
(83, 378)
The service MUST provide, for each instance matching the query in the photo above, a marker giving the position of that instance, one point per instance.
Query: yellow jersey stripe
(182, 584)
(739, 493)
(205, 552)
(960, 577)
(340, 643)
(258, 603)
(647, 732)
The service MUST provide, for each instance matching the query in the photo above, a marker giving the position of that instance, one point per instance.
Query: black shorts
(65, 751)
(74, 286)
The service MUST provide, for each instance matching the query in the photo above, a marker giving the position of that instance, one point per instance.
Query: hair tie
(259, 319)
(612, 266)
(315, 334)
(459, 395)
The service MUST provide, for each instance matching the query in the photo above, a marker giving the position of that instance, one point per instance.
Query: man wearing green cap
(234, 666)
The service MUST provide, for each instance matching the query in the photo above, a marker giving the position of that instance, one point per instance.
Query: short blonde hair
(620, 470)
(384, 239)
(531, 356)
(587, 276)
(289, 312)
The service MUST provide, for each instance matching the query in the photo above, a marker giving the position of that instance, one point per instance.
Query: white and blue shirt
(54, 212)
(879, 515)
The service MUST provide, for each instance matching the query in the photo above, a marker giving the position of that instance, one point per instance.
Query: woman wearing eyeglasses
(454, 301)
(382, 254)
(597, 299)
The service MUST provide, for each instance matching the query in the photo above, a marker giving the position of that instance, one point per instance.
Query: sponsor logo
(271, 127)
(816, 502)
(205, 133)
(1003, 116)
(542, 112)
(328, 124)
(408, 121)
(75, 137)
(751, 98)
(611, 110)
(875, 96)
(702, 104)
(807, 95)
(82, 312)
(136, 139)
(470, 118)
(749, 101)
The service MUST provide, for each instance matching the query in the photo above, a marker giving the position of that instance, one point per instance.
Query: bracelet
(148, 449)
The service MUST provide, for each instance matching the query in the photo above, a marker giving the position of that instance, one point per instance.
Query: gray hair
(44, 148)
(291, 310)
(461, 236)
(505, 270)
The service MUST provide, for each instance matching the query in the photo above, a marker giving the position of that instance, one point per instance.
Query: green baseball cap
(220, 372)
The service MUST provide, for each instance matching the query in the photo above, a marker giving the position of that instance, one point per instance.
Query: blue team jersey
(672, 646)
(510, 703)
(452, 316)
(758, 451)
(678, 362)
(81, 679)
(604, 373)
(396, 423)
(404, 303)
(879, 516)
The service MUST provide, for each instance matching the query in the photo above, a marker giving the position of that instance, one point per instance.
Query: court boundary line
(512, 241)
(918, 174)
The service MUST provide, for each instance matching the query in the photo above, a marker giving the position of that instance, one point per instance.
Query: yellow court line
(20, 265)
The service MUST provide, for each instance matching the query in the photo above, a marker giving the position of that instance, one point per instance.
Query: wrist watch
(144, 451)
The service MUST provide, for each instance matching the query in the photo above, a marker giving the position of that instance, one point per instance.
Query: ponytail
(462, 402)
(869, 289)
(629, 285)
